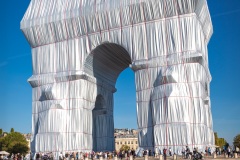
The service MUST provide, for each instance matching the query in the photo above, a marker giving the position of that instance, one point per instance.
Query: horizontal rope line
(55, 99)
(54, 133)
(71, 109)
(144, 60)
(207, 144)
(172, 83)
(170, 97)
(155, 57)
(167, 123)
(117, 28)
(103, 85)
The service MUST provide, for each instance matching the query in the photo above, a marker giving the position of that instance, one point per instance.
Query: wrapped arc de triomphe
(79, 48)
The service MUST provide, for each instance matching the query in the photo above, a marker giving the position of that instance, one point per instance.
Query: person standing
(133, 153)
(165, 153)
(183, 152)
(237, 150)
(209, 151)
(77, 155)
(228, 151)
(121, 154)
(187, 152)
(156, 152)
(150, 153)
(170, 151)
(206, 151)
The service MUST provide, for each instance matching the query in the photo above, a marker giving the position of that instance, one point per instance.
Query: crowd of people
(89, 155)
(229, 151)
(16, 156)
(186, 154)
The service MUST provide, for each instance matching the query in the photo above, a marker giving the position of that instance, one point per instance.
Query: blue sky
(224, 63)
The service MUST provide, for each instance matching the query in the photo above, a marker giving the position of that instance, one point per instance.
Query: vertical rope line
(94, 52)
(80, 38)
(148, 74)
(39, 74)
(132, 33)
(181, 50)
(68, 75)
(86, 31)
(76, 31)
(108, 28)
(81, 56)
(87, 36)
(54, 54)
(120, 13)
(166, 66)
(99, 27)
(186, 76)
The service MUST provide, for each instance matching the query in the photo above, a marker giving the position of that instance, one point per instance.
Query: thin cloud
(225, 13)
(18, 56)
(4, 63)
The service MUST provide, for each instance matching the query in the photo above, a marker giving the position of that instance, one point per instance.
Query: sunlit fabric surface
(80, 47)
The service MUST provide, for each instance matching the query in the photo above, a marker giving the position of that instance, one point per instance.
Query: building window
(125, 142)
(131, 142)
(136, 142)
(120, 142)
(128, 142)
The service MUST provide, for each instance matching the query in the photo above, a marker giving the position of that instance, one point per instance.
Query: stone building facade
(130, 140)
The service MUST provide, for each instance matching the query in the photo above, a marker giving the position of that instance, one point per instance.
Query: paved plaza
(180, 157)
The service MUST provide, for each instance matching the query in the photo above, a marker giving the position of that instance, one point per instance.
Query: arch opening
(105, 63)
(125, 112)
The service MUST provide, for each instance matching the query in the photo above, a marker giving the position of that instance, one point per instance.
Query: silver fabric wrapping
(79, 48)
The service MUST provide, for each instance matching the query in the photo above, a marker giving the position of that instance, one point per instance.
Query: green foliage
(124, 148)
(236, 141)
(18, 147)
(226, 145)
(14, 142)
(12, 130)
(219, 141)
(1, 131)
(216, 138)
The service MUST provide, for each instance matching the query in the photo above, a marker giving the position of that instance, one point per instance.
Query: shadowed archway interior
(105, 63)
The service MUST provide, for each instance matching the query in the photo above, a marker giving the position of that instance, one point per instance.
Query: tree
(216, 138)
(226, 145)
(236, 141)
(1, 131)
(18, 147)
(124, 148)
(14, 142)
(219, 141)
(12, 130)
